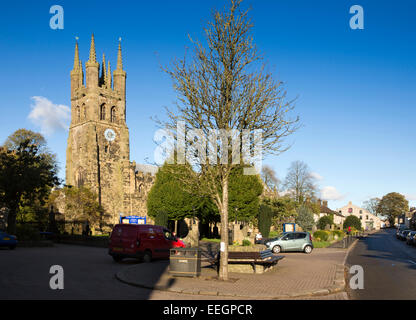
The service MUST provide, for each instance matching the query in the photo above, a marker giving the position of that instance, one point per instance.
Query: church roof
(147, 168)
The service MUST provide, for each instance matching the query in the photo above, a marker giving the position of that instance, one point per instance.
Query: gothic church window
(102, 112)
(84, 108)
(113, 114)
(78, 114)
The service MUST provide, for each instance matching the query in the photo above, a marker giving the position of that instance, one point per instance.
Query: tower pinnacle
(119, 57)
(104, 73)
(109, 82)
(76, 56)
(93, 57)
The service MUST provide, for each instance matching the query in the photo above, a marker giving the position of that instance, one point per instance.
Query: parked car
(403, 234)
(399, 231)
(291, 241)
(414, 240)
(7, 240)
(144, 242)
(409, 237)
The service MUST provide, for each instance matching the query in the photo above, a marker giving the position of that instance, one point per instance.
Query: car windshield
(280, 236)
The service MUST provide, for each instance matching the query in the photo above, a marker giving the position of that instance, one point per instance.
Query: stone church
(98, 149)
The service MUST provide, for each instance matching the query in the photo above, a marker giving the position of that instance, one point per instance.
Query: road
(88, 274)
(389, 267)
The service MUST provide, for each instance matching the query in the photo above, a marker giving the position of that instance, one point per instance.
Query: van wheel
(308, 249)
(147, 257)
(117, 258)
(276, 249)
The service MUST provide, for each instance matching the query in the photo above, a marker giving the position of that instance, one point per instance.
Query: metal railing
(348, 240)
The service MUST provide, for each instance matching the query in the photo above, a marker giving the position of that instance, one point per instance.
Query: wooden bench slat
(261, 258)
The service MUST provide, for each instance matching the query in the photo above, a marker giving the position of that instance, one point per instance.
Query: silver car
(291, 241)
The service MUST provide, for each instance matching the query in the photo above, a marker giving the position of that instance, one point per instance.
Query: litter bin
(185, 262)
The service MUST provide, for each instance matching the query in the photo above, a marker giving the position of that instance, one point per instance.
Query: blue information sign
(133, 220)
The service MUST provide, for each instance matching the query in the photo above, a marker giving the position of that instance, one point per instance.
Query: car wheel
(307, 249)
(147, 257)
(117, 258)
(276, 249)
(12, 247)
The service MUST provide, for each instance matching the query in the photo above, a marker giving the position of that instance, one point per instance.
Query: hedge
(322, 235)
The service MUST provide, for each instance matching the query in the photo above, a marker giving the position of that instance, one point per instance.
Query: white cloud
(331, 193)
(48, 116)
(316, 176)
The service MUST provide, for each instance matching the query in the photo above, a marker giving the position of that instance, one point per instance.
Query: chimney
(325, 203)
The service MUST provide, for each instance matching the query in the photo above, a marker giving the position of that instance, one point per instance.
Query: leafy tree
(284, 210)
(33, 138)
(225, 86)
(353, 222)
(393, 205)
(32, 209)
(161, 219)
(299, 182)
(244, 195)
(324, 221)
(265, 215)
(81, 205)
(305, 218)
(170, 195)
(24, 173)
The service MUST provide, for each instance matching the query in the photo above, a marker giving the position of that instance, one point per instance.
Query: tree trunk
(11, 221)
(224, 232)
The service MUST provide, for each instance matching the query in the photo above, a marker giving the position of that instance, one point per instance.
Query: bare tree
(225, 87)
(269, 178)
(371, 205)
(299, 182)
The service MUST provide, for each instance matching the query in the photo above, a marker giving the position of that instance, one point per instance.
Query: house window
(361, 217)
(366, 217)
(361, 211)
(349, 210)
(102, 112)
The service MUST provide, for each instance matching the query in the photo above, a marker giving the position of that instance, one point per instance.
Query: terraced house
(369, 221)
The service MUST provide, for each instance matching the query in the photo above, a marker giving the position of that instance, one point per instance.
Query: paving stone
(297, 274)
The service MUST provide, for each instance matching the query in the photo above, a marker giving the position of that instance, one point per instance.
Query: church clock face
(110, 135)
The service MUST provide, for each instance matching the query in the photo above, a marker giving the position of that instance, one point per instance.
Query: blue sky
(355, 88)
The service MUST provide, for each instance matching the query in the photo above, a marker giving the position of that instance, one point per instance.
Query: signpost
(289, 227)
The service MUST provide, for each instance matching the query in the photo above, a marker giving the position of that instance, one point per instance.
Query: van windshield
(168, 235)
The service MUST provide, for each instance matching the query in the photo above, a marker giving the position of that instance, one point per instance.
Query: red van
(143, 242)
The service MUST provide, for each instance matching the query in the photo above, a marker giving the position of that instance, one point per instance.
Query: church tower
(98, 152)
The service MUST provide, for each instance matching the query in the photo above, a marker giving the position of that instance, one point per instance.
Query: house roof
(326, 210)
